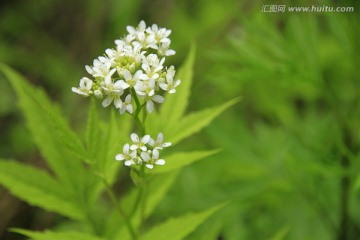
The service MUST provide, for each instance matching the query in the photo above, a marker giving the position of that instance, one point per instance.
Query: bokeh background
(290, 162)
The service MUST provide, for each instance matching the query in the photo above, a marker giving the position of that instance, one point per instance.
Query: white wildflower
(169, 84)
(158, 144)
(152, 157)
(129, 157)
(139, 143)
(138, 153)
(126, 105)
(84, 88)
(132, 80)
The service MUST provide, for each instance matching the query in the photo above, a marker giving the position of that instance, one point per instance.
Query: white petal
(89, 69)
(145, 139)
(160, 137)
(107, 79)
(155, 153)
(134, 147)
(127, 75)
(118, 103)
(145, 156)
(129, 162)
(128, 98)
(107, 101)
(120, 157)
(158, 99)
(126, 148)
(142, 25)
(177, 83)
(160, 162)
(149, 106)
(78, 91)
(121, 84)
(163, 86)
(169, 52)
(150, 166)
(167, 144)
(133, 154)
(129, 108)
(151, 142)
(134, 137)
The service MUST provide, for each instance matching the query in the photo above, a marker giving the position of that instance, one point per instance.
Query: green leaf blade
(49, 235)
(180, 227)
(175, 105)
(194, 122)
(37, 188)
(57, 143)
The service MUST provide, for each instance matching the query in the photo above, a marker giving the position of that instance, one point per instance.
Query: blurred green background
(290, 162)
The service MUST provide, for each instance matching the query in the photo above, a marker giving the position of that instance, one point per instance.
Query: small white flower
(158, 144)
(169, 84)
(84, 88)
(161, 35)
(129, 157)
(100, 68)
(145, 40)
(113, 90)
(132, 80)
(164, 49)
(143, 88)
(152, 157)
(140, 28)
(139, 143)
(126, 105)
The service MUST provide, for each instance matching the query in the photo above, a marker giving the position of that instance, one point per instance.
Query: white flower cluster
(144, 150)
(133, 69)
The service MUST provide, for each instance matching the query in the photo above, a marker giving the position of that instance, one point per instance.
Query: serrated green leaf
(175, 105)
(194, 122)
(49, 235)
(57, 143)
(179, 160)
(179, 227)
(37, 188)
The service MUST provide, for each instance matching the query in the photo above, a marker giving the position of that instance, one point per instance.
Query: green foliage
(175, 105)
(84, 171)
(179, 160)
(281, 234)
(289, 158)
(194, 122)
(49, 235)
(58, 144)
(179, 227)
(37, 188)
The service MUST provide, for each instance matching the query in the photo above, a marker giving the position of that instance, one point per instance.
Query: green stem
(140, 201)
(137, 112)
(143, 206)
(116, 203)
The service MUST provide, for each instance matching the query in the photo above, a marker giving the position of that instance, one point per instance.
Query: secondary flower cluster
(133, 70)
(143, 150)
